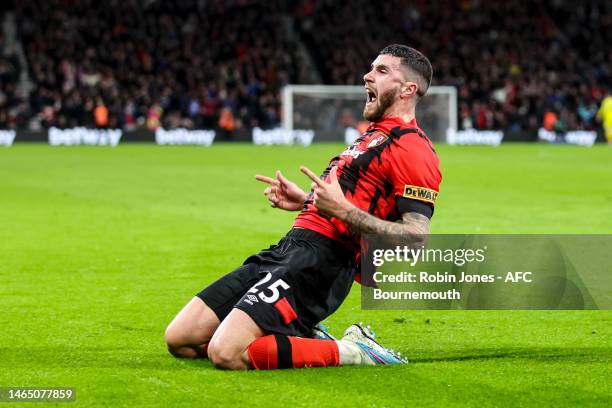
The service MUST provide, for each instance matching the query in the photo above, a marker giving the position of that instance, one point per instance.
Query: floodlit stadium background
(100, 246)
(138, 66)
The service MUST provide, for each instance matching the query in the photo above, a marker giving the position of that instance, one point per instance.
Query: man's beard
(383, 102)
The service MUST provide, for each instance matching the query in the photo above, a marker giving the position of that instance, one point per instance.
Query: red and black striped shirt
(390, 169)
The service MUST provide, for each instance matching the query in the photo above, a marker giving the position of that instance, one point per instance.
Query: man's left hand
(328, 197)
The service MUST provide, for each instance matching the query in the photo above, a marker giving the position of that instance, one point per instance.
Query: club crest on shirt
(359, 147)
(377, 141)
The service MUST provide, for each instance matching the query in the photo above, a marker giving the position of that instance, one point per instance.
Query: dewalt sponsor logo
(420, 193)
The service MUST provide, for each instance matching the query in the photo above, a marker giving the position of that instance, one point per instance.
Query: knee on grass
(176, 345)
(226, 357)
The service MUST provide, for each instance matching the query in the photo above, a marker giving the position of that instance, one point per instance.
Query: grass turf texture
(100, 248)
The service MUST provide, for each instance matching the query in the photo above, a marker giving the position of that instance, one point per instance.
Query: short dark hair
(416, 61)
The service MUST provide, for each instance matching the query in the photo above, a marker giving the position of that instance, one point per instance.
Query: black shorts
(287, 288)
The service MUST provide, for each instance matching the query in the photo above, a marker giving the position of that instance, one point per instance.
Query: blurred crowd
(13, 108)
(221, 64)
(145, 64)
(518, 65)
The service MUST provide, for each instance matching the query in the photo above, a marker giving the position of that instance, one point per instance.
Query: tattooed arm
(329, 199)
(362, 222)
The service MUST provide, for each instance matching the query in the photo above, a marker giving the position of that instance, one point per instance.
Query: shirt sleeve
(405, 205)
(414, 172)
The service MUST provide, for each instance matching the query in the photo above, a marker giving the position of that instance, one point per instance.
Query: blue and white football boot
(374, 352)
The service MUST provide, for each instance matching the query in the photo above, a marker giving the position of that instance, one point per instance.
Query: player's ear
(408, 89)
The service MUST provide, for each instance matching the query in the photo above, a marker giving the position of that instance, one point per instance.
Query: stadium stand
(142, 64)
(221, 64)
(11, 106)
(511, 61)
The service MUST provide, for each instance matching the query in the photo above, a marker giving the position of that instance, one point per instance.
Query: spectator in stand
(550, 120)
(227, 123)
(100, 114)
(605, 115)
(154, 117)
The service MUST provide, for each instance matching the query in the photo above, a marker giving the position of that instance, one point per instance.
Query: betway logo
(84, 136)
(282, 136)
(182, 136)
(472, 136)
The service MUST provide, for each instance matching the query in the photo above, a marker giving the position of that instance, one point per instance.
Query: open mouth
(371, 96)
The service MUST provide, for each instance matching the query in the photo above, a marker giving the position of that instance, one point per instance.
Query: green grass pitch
(100, 247)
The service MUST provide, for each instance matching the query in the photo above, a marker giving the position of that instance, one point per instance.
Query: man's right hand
(283, 193)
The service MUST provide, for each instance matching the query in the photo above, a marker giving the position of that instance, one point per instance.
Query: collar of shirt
(387, 124)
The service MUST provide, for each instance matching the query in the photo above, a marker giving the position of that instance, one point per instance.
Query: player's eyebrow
(379, 67)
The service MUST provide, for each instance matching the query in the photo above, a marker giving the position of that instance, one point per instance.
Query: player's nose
(368, 77)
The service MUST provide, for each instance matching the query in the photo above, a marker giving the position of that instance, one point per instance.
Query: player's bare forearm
(412, 224)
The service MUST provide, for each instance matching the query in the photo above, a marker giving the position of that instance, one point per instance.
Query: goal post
(334, 112)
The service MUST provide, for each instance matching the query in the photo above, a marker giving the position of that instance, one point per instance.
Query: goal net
(335, 112)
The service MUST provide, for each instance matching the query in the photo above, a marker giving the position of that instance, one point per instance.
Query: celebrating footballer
(266, 313)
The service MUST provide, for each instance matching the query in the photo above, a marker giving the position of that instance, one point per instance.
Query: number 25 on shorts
(273, 288)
